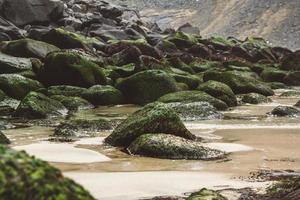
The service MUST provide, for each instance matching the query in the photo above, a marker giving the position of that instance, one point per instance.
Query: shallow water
(256, 141)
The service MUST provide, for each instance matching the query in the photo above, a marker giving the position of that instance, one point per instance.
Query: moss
(206, 194)
(203, 65)
(153, 118)
(193, 96)
(220, 91)
(273, 75)
(222, 41)
(72, 103)
(254, 98)
(3, 139)
(125, 70)
(191, 81)
(171, 147)
(146, 86)
(186, 36)
(36, 106)
(25, 177)
(277, 85)
(66, 90)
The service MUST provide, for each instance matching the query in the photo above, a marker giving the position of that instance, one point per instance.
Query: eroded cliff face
(276, 20)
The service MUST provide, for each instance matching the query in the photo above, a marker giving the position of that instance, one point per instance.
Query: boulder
(17, 86)
(273, 75)
(292, 93)
(171, 147)
(70, 68)
(254, 98)
(3, 139)
(26, 12)
(206, 194)
(29, 48)
(153, 118)
(240, 83)
(38, 106)
(293, 78)
(285, 111)
(72, 103)
(10, 64)
(146, 86)
(103, 95)
(193, 96)
(25, 177)
(188, 28)
(66, 90)
(291, 61)
(220, 91)
(126, 56)
(192, 81)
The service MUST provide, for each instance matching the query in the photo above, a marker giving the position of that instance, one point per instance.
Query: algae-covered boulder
(69, 40)
(3, 139)
(29, 48)
(220, 91)
(254, 98)
(192, 81)
(66, 90)
(17, 86)
(36, 106)
(273, 75)
(282, 111)
(25, 177)
(206, 194)
(103, 95)
(73, 103)
(70, 68)
(153, 118)
(10, 64)
(291, 61)
(195, 111)
(171, 147)
(146, 86)
(193, 96)
(239, 82)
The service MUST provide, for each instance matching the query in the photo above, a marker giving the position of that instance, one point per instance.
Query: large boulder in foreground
(25, 177)
(171, 147)
(38, 106)
(153, 118)
(10, 64)
(147, 86)
(17, 86)
(240, 83)
(193, 96)
(70, 68)
(31, 11)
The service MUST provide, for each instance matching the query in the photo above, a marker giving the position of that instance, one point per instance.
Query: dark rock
(273, 75)
(293, 78)
(66, 90)
(291, 61)
(192, 81)
(188, 28)
(73, 103)
(10, 64)
(254, 98)
(4, 139)
(282, 111)
(126, 56)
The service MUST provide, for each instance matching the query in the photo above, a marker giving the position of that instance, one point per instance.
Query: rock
(25, 177)
(110, 11)
(17, 86)
(273, 75)
(69, 68)
(10, 64)
(193, 96)
(126, 56)
(277, 85)
(298, 104)
(293, 78)
(73, 103)
(188, 28)
(9, 31)
(3, 139)
(76, 128)
(240, 83)
(254, 98)
(183, 40)
(291, 61)
(205, 194)
(282, 111)
(192, 81)
(171, 147)
(148, 63)
(220, 91)
(292, 93)
(146, 86)
(153, 118)
(66, 90)
(68, 40)
(103, 95)
(195, 111)
(32, 11)
(38, 106)
(29, 48)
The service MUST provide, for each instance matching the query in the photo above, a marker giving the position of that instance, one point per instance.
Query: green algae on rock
(66, 90)
(206, 194)
(25, 177)
(254, 98)
(171, 147)
(153, 118)
(73, 103)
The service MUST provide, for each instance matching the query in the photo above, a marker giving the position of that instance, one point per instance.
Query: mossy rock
(76, 128)
(3, 139)
(153, 118)
(195, 111)
(37, 106)
(29, 48)
(273, 75)
(146, 86)
(277, 85)
(285, 111)
(292, 93)
(291, 61)
(10, 64)
(254, 98)
(17, 86)
(192, 81)
(69, 40)
(66, 90)
(126, 56)
(167, 146)
(125, 70)
(293, 78)
(103, 95)
(193, 96)
(183, 40)
(220, 91)
(206, 194)
(240, 83)
(69, 68)
(25, 177)
(72, 103)
(203, 65)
